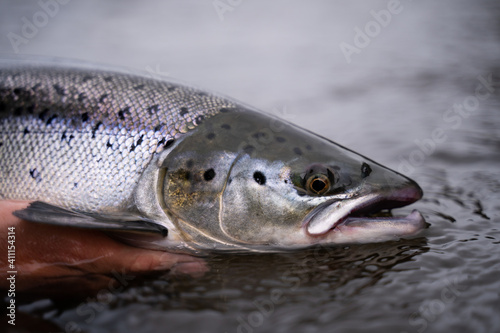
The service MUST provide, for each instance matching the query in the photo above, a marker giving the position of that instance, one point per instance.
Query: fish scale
(82, 138)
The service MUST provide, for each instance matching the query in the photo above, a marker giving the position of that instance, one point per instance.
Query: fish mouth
(366, 211)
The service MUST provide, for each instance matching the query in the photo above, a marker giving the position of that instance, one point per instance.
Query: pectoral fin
(45, 213)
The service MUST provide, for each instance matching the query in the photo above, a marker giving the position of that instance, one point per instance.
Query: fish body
(168, 166)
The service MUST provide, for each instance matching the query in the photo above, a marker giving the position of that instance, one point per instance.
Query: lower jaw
(374, 229)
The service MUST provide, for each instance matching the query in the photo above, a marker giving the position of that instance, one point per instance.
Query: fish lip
(364, 205)
(415, 217)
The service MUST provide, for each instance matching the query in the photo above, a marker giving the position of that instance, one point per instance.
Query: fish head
(245, 179)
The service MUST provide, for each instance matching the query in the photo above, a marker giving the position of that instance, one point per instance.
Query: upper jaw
(333, 212)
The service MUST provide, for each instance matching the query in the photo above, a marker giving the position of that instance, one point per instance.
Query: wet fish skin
(82, 138)
(172, 167)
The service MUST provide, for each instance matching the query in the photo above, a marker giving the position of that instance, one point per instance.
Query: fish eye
(317, 184)
(318, 179)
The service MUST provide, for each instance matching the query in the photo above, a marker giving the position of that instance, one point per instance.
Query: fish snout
(385, 191)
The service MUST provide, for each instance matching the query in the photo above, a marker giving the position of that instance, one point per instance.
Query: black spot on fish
(201, 93)
(81, 97)
(63, 136)
(280, 139)
(102, 98)
(85, 117)
(18, 111)
(18, 91)
(199, 119)
(43, 114)
(94, 130)
(139, 87)
(365, 170)
(154, 109)
(171, 88)
(210, 136)
(259, 178)
(75, 185)
(158, 128)
(223, 110)
(162, 141)
(137, 144)
(184, 111)
(1, 144)
(229, 181)
(189, 163)
(49, 121)
(249, 149)
(30, 108)
(71, 137)
(59, 90)
(169, 143)
(297, 151)
(108, 78)
(122, 112)
(184, 174)
(225, 126)
(35, 174)
(259, 135)
(109, 145)
(87, 78)
(3, 107)
(209, 175)
(26, 131)
(36, 86)
(308, 147)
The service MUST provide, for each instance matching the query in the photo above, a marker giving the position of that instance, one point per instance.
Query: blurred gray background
(285, 57)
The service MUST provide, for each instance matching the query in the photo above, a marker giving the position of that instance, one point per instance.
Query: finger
(48, 250)
(140, 260)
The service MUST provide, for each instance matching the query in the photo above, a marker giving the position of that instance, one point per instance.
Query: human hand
(49, 258)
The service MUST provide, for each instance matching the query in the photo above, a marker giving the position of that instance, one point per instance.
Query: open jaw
(360, 219)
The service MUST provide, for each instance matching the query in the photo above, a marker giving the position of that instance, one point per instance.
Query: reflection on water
(259, 283)
(284, 57)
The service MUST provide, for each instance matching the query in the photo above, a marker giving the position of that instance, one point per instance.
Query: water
(397, 101)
